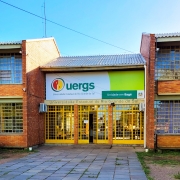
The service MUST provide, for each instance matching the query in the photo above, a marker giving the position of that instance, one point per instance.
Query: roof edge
(167, 35)
(101, 55)
(39, 39)
(45, 39)
(102, 68)
(11, 43)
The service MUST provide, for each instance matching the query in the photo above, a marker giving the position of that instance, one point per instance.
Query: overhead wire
(53, 22)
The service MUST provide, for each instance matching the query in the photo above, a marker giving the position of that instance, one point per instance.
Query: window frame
(167, 63)
(12, 63)
(11, 118)
(167, 117)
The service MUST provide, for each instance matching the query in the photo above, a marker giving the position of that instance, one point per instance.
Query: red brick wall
(14, 139)
(147, 49)
(168, 87)
(168, 141)
(38, 52)
(11, 90)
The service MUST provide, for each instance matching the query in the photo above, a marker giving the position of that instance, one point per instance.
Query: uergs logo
(57, 84)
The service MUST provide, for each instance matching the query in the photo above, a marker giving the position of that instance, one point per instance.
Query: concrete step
(83, 146)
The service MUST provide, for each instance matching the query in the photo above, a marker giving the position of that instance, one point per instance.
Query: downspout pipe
(145, 107)
(155, 130)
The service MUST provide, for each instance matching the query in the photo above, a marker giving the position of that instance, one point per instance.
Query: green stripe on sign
(126, 80)
(119, 94)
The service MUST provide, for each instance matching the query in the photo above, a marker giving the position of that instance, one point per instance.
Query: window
(167, 64)
(10, 68)
(167, 117)
(11, 118)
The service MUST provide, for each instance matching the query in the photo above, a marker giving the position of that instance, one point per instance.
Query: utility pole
(45, 19)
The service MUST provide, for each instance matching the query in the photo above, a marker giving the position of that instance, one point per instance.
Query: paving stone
(71, 162)
(69, 178)
(138, 178)
(86, 178)
(22, 177)
(54, 178)
(102, 178)
(39, 177)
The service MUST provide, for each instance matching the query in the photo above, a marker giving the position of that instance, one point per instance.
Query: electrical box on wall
(142, 107)
(42, 108)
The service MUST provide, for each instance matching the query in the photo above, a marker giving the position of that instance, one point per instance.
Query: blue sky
(118, 22)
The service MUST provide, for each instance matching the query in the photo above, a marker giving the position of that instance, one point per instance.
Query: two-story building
(162, 54)
(122, 99)
(22, 90)
(104, 94)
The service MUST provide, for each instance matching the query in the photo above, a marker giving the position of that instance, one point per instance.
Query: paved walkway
(76, 163)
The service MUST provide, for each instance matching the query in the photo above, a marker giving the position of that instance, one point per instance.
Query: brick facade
(37, 53)
(168, 87)
(168, 141)
(148, 52)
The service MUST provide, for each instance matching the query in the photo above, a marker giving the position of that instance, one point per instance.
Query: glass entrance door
(95, 117)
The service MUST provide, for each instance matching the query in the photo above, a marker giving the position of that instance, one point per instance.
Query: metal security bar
(167, 117)
(128, 124)
(11, 118)
(167, 64)
(83, 117)
(102, 124)
(60, 124)
(10, 68)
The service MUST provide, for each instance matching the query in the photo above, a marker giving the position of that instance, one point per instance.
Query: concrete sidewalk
(76, 162)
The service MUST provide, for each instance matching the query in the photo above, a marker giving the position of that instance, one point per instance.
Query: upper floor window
(10, 68)
(167, 64)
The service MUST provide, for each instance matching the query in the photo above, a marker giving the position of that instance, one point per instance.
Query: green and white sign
(95, 85)
(122, 94)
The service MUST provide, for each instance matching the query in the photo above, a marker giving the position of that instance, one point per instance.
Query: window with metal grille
(60, 123)
(167, 117)
(167, 64)
(11, 118)
(128, 122)
(10, 68)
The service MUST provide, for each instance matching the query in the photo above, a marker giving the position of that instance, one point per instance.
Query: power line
(44, 18)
